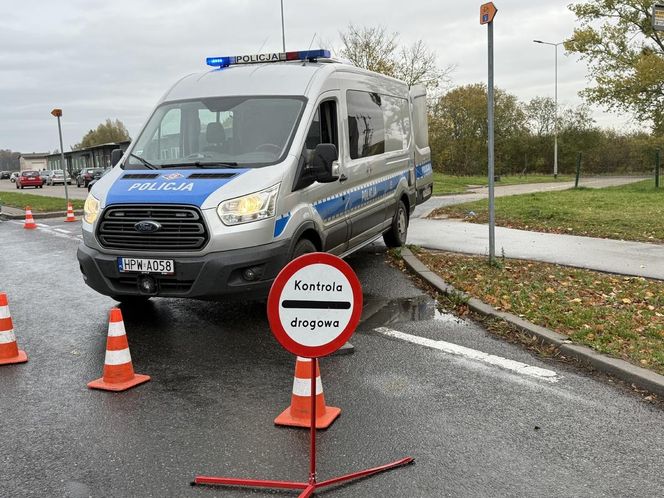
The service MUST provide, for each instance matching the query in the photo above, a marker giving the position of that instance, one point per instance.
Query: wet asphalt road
(219, 379)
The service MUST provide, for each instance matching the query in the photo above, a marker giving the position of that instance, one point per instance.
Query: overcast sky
(114, 59)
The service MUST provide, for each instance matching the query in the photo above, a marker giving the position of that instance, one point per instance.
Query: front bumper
(211, 276)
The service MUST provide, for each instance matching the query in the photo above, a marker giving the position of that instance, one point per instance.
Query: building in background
(36, 161)
(97, 156)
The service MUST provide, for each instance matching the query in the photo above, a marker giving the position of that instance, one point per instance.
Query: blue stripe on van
(169, 186)
(423, 169)
(351, 200)
(280, 224)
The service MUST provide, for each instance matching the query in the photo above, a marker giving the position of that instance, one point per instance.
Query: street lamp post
(58, 114)
(283, 31)
(555, 121)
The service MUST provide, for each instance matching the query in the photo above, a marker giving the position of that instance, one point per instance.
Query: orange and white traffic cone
(9, 352)
(298, 414)
(70, 213)
(118, 370)
(29, 220)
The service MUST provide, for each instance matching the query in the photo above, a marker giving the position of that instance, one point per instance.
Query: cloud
(101, 60)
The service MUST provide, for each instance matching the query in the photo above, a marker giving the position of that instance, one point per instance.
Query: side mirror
(323, 163)
(116, 155)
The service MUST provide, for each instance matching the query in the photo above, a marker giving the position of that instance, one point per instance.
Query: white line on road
(57, 232)
(473, 354)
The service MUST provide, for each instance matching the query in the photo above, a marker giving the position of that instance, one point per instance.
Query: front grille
(182, 228)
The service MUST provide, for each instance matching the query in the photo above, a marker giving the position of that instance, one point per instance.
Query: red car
(29, 179)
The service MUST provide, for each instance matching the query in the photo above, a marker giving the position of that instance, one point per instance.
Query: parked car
(45, 175)
(4, 175)
(57, 176)
(29, 179)
(104, 172)
(13, 176)
(87, 175)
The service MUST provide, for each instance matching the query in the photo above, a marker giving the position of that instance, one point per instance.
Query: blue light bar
(269, 57)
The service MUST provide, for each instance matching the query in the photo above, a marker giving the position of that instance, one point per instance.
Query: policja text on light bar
(268, 57)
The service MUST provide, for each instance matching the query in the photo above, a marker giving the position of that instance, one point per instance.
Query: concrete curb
(640, 377)
(10, 213)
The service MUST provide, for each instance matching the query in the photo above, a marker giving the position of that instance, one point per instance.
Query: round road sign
(314, 305)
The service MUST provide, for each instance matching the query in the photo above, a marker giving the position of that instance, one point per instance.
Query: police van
(248, 165)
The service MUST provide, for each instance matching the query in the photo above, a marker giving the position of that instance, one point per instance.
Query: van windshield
(229, 131)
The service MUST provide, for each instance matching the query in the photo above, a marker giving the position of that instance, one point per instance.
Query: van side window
(366, 128)
(323, 129)
(397, 123)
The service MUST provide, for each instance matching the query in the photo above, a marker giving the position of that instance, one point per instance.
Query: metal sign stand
(487, 13)
(282, 335)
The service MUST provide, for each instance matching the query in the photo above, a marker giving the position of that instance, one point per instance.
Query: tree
(458, 131)
(625, 56)
(107, 132)
(541, 115)
(375, 49)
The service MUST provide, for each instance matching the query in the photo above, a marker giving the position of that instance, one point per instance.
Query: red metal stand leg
(366, 473)
(254, 483)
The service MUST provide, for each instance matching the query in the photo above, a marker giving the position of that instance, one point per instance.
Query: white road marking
(57, 232)
(448, 347)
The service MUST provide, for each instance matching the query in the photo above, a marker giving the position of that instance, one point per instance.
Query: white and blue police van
(246, 166)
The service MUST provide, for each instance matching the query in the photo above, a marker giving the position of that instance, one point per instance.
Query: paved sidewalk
(614, 256)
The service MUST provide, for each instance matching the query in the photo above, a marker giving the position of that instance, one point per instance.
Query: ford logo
(147, 226)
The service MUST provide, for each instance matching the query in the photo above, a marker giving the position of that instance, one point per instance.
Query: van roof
(279, 78)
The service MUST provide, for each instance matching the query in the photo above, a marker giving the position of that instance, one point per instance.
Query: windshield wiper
(198, 164)
(144, 161)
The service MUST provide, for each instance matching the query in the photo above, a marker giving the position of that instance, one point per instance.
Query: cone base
(118, 386)
(67, 220)
(20, 358)
(29, 227)
(322, 422)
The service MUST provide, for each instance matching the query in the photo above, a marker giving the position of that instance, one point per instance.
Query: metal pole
(492, 217)
(64, 166)
(312, 429)
(657, 159)
(283, 31)
(555, 122)
(578, 170)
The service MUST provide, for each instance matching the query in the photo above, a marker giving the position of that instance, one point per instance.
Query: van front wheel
(303, 246)
(396, 235)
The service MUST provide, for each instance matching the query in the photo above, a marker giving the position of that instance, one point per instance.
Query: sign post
(658, 16)
(58, 114)
(313, 308)
(487, 13)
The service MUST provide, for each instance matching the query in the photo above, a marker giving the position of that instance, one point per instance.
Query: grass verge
(619, 316)
(451, 184)
(630, 212)
(38, 203)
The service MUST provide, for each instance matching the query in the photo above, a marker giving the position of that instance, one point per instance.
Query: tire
(396, 235)
(303, 246)
(132, 301)
(21, 187)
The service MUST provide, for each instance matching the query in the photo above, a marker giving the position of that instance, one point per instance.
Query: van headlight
(91, 209)
(252, 207)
